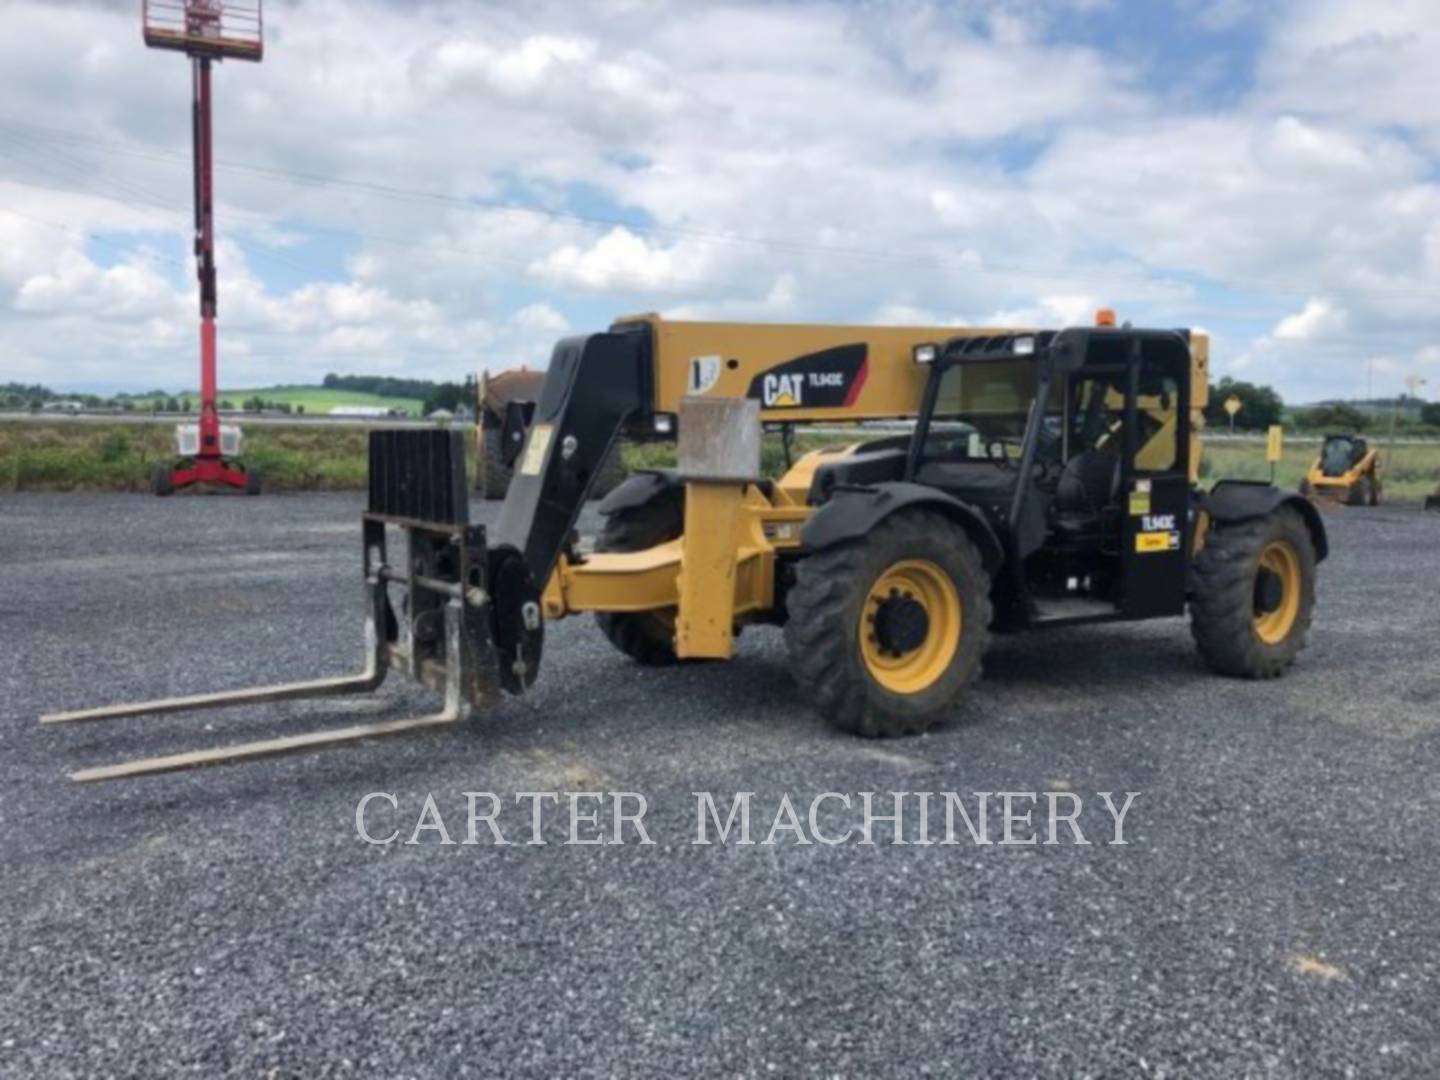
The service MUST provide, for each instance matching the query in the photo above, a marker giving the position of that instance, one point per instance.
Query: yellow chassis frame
(721, 571)
(718, 574)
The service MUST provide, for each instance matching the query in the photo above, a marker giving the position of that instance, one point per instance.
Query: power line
(475, 203)
(148, 204)
(127, 249)
(141, 200)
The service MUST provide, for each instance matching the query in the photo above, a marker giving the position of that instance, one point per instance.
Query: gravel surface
(1273, 914)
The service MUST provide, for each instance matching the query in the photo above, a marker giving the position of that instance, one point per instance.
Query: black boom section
(595, 384)
(419, 475)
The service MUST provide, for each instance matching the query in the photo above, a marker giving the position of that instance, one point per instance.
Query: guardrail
(104, 416)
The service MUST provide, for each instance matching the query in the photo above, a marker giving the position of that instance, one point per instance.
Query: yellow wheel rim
(898, 661)
(1279, 558)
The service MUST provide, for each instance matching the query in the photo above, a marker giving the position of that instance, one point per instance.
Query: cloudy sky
(428, 188)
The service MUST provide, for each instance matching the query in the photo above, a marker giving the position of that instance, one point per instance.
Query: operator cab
(1341, 453)
(1075, 446)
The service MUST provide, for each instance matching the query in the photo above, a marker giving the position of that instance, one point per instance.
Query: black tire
(254, 481)
(1375, 487)
(1361, 493)
(492, 477)
(610, 475)
(826, 607)
(160, 482)
(646, 637)
(1223, 609)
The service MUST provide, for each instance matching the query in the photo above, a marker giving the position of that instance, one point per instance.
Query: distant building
(61, 406)
(368, 412)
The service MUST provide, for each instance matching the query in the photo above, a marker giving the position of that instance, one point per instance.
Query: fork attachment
(442, 637)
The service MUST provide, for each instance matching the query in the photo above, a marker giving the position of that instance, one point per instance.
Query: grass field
(119, 457)
(1412, 472)
(315, 399)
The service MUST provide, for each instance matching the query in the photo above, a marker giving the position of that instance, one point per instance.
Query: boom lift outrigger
(1049, 480)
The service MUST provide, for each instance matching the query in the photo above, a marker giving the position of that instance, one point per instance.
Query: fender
(852, 513)
(1244, 500)
(639, 489)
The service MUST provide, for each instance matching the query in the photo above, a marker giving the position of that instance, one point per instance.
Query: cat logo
(827, 379)
(782, 391)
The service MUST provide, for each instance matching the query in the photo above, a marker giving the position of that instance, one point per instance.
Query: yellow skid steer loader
(1347, 470)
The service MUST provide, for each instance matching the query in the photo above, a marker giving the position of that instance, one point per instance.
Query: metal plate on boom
(719, 439)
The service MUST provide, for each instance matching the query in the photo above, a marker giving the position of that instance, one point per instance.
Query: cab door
(1156, 479)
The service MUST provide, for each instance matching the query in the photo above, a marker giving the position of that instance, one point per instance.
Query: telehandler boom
(1048, 479)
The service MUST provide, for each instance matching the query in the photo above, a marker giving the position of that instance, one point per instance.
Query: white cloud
(1048, 311)
(1367, 63)
(903, 314)
(540, 317)
(808, 161)
(78, 286)
(618, 258)
(1317, 318)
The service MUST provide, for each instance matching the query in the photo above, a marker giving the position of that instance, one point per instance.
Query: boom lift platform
(1049, 480)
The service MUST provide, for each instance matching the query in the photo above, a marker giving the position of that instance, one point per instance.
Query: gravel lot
(1274, 913)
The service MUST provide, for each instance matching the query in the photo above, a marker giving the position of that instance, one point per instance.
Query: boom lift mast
(206, 31)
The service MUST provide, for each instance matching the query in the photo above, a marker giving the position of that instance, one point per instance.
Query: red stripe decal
(854, 391)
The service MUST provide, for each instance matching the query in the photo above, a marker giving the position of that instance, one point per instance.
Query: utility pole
(1412, 386)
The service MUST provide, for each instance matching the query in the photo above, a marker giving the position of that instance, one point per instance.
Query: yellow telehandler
(1046, 478)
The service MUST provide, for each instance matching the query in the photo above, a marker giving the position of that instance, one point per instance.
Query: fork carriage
(440, 636)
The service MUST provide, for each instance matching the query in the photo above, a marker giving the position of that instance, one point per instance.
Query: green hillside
(315, 399)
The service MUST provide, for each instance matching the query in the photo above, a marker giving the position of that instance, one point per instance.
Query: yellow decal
(1148, 542)
(535, 451)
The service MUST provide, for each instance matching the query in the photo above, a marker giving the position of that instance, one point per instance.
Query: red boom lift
(206, 31)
